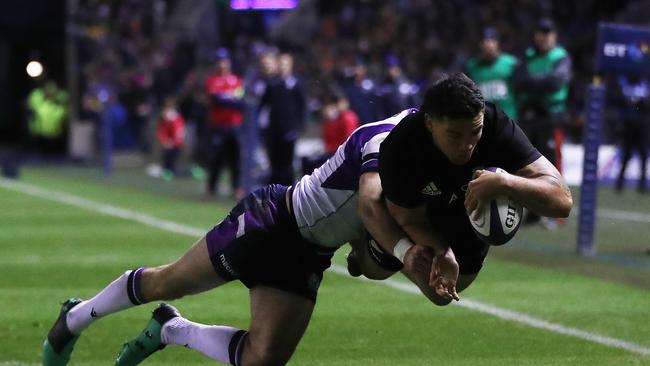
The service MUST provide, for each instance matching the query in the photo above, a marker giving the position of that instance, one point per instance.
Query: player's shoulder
(408, 119)
(373, 131)
(491, 114)
(495, 118)
(409, 125)
(386, 124)
(406, 143)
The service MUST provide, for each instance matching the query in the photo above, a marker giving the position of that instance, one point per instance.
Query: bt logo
(635, 51)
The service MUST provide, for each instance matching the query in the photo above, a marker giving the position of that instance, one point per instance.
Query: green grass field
(51, 250)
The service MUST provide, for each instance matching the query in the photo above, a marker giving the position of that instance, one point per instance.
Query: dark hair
(453, 97)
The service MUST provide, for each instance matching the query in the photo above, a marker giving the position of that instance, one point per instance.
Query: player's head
(545, 35)
(453, 108)
(489, 44)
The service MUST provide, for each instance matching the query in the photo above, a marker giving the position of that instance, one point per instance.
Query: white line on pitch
(624, 215)
(174, 227)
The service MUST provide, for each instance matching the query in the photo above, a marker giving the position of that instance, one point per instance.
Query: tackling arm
(415, 223)
(374, 215)
(437, 282)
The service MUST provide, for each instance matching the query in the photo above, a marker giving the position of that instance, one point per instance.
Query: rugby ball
(500, 220)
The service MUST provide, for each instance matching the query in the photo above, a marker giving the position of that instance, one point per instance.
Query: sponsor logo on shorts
(226, 265)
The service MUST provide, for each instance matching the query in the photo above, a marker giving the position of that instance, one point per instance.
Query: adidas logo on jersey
(431, 190)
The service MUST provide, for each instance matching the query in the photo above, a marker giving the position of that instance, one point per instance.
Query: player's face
(456, 138)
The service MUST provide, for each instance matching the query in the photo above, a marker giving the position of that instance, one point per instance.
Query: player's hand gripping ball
(500, 219)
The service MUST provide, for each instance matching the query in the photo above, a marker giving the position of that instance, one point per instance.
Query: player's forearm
(379, 223)
(416, 225)
(422, 233)
(546, 195)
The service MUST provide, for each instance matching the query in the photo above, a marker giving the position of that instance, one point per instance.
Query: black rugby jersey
(414, 171)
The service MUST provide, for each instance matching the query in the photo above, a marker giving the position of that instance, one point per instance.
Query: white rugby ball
(499, 221)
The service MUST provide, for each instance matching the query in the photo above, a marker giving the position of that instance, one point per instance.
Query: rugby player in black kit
(430, 167)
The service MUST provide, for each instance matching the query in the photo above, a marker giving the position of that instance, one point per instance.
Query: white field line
(174, 227)
(624, 215)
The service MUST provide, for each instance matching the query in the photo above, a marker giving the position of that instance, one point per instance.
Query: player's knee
(162, 284)
(440, 301)
(376, 274)
(437, 300)
(269, 358)
(374, 271)
(267, 355)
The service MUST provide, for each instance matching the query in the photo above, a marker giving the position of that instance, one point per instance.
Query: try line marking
(174, 227)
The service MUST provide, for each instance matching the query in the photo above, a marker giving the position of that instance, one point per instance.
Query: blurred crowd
(263, 79)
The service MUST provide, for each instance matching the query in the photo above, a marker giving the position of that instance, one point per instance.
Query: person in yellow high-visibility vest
(48, 106)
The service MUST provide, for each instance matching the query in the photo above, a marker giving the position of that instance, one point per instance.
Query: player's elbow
(439, 301)
(564, 204)
(565, 210)
(368, 207)
(433, 296)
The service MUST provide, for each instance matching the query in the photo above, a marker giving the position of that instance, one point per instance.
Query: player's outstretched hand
(444, 275)
(418, 260)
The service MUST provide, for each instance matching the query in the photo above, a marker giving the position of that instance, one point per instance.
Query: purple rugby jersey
(325, 202)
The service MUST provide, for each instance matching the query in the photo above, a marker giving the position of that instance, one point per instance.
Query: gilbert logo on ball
(499, 220)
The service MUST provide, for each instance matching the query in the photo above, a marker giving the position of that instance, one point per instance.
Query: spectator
(284, 101)
(542, 83)
(48, 110)
(361, 91)
(268, 69)
(397, 93)
(339, 121)
(633, 98)
(226, 92)
(493, 71)
(258, 79)
(171, 136)
(192, 105)
(135, 96)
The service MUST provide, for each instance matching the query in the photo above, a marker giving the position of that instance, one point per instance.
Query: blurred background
(129, 127)
(212, 98)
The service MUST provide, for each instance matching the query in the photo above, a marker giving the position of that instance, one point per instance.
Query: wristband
(400, 249)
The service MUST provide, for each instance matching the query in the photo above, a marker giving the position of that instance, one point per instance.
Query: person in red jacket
(339, 121)
(171, 135)
(225, 92)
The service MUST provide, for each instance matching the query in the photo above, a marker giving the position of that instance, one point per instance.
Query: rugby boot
(60, 341)
(148, 341)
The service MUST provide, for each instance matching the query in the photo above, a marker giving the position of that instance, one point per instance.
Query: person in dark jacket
(633, 97)
(284, 104)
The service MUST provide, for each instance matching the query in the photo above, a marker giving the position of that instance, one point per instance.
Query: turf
(51, 251)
